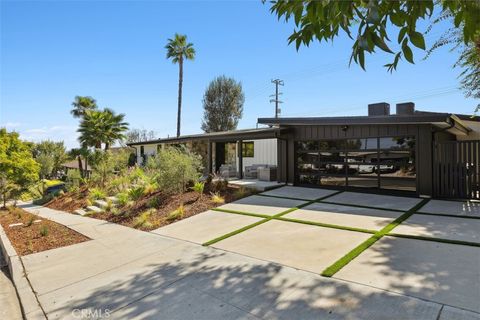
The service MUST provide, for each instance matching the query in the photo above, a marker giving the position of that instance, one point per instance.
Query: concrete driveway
(433, 255)
(263, 256)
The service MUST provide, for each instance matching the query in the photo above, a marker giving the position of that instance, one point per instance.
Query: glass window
(142, 150)
(332, 156)
(328, 145)
(248, 149)
(361, 144)
(307, 146)
(397, 143)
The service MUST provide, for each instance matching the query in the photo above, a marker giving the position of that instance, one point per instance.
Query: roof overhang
(224, 136)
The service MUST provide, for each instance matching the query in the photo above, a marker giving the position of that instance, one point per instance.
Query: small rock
(15, 225)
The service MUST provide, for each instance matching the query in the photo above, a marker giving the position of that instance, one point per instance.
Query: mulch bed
(191, 201)
(29, 239)
(70, 201)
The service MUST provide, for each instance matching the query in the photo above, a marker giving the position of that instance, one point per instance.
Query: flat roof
(417, 118)
(243, 134)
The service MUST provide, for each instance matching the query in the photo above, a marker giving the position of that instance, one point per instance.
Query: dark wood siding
(422, 132)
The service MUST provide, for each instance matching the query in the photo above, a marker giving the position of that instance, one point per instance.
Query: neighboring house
(421, 153)
(73, 165)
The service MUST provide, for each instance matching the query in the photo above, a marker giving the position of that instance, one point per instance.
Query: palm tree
(99, 127)
(81, 105)
(179, 49)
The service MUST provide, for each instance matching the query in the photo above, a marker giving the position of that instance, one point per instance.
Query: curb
(28, 300)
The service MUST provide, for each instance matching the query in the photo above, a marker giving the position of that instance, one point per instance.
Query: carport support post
(240, 159)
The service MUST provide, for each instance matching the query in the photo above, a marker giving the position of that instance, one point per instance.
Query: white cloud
(10, 125)
(67, 134)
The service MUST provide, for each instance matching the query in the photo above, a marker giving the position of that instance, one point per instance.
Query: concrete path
(458, 208)
(441, 228)
(299, 192)
(375, 200)
(365, 218)
(262, 205)
(9, 305)
(130, 274)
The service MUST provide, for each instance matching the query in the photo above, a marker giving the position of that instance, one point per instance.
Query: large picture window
(384, 162)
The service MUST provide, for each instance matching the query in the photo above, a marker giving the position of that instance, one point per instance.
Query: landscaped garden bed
(29, 233)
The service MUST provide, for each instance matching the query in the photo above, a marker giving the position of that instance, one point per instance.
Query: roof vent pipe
(405, 109)
(379, 109)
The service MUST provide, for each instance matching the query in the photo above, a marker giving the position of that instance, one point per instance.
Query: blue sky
(114, 51)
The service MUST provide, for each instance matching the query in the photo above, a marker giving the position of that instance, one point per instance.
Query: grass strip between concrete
(433, 239)
(342, 262)
(281, 197)
(250, 226)
(326, 225)
(250, 214)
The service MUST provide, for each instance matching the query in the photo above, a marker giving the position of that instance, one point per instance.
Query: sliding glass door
(383, 162)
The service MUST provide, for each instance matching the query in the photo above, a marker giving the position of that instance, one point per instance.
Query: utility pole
(277, 101)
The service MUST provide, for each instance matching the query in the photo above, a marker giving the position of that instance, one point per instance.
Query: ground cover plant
(167, 189)
(33, 236)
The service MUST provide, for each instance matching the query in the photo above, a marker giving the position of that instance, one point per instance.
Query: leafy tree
(178, 50)
(81, 104)
(97, 127)
(223, 105)
(139, 135)
(173, 168)
(366, 23)
(50, 155)
(18, 169)
(46, 163)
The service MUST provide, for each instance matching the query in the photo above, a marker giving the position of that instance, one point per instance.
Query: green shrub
(142, 220)
(122, 199)
(73, 180)
(174, 169)
(154, 202)
(136, 193)
(178, 213)
(109, 206)
(96, 194)
(46, 198)
(44, 231)
(199, 187)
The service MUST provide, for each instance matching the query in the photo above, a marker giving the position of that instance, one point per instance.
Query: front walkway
(133, 274)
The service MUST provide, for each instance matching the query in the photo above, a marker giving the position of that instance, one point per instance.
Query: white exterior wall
(473, 135)
(264, 152)
(149, 149)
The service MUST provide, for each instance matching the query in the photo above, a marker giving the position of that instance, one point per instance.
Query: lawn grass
(258, 215)
(326, 225)
(343, 261)
(281, 197)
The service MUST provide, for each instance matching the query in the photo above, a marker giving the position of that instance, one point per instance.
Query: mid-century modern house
(420, 153)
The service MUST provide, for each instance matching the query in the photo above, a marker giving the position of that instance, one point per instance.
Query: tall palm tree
(81, 105)
(99, 127)
(178, 49)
